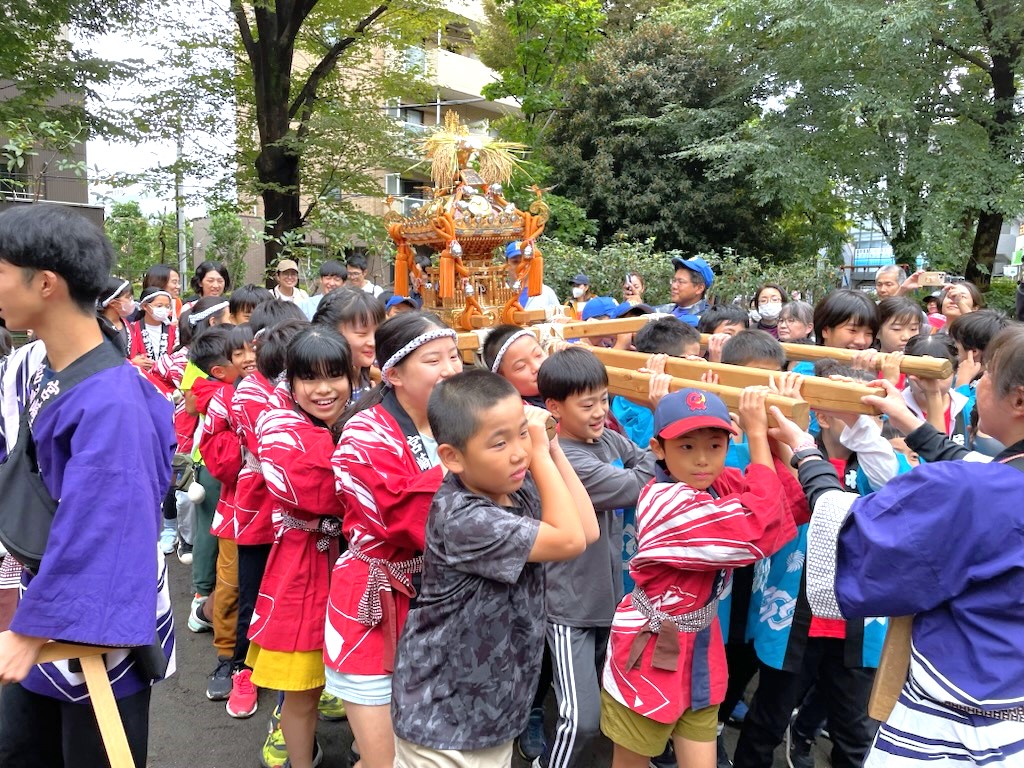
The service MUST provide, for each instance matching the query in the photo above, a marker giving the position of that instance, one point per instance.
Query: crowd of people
(431, 549)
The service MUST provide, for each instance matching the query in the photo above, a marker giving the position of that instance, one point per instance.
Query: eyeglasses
(680, 281)
(788, 320)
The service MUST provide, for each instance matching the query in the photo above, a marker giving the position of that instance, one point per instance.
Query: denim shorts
(368, 690)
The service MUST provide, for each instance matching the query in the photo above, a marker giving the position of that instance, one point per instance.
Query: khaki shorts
(409, 755)
(648, 737)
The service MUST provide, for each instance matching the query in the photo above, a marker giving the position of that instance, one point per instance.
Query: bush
(1002, 295)
(736, 277)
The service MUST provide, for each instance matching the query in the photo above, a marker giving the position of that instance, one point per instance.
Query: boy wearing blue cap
(695, 521)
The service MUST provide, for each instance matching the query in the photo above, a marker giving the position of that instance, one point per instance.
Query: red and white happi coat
(687, 543)
(387, 500)
(254, 504)
(169, 369)
(222, 454)
(295, 456)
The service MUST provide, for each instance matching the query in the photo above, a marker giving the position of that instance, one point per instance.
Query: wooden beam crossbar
(820, 394)
(634, 386)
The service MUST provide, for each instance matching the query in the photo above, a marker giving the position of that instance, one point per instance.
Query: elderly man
(888, 280)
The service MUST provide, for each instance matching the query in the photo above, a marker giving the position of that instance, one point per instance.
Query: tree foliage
(536, 47)
(616, 150)
(46, 53)
(910, 110)
(132, 236)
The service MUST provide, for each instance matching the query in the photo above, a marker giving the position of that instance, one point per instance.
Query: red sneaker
(244, 699)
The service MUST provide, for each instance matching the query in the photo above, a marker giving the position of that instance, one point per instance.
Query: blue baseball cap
(688, 410)
(698, 265)
(632, 310)
(598, 306)
(513, 249)
(581, 279)
(395, 300)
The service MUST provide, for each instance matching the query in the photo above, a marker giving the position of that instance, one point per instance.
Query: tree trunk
(278, 173)
(983, 252)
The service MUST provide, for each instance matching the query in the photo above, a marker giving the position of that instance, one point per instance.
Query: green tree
(132, 236)
(291, 55)
(909, 109)
(46, 53)
(536, 46)
(229, 240)
(615, 150)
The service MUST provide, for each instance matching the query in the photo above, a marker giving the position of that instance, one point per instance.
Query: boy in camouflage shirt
(469, 656)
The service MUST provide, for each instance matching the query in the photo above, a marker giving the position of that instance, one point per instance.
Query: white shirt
(298, 295)
(373, 290)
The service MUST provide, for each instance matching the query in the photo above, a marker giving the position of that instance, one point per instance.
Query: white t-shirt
(298, 295)
(153, 331)
(373, 290)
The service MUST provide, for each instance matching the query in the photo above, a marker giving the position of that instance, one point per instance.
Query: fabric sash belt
(385, 576)
(1016, 714)
(328, 528)
(665, 628)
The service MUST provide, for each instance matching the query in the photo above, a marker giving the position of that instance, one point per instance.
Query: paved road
(189, 731)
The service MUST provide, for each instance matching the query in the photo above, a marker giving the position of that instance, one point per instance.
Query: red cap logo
(696, 401)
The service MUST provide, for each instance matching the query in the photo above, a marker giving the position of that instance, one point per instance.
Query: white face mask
(161, 314)
(578, 291)
(769, 311)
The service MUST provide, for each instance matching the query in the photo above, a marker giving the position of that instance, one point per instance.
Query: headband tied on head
(195, 319)
(508, 343)
(120, 289)
(154, 295)
(412, 346)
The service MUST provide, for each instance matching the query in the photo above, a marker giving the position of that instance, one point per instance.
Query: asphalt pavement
(189, 731)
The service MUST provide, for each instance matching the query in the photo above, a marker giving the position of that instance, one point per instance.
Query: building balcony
(461, 77)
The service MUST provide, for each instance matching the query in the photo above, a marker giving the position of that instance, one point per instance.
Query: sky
(108, 159)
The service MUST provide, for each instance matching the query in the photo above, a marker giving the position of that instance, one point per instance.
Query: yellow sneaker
(331, 708)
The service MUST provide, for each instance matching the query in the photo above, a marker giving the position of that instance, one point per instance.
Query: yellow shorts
(648, 737)
(286, 670)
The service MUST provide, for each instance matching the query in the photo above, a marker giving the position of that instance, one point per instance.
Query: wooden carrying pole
(821, 394)
(925, 367)
(634, 386)
(893, 668)
(96, 681)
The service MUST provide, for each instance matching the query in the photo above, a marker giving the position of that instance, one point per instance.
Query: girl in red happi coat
(295, 442)
(387, 472)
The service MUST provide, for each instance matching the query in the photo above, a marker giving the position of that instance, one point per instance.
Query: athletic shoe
(168, 537)
(244, 698)
(184, 553)
(318, 756)
(331, 708)
(531, 742)
(197, 622)
(798, 751)
(739, 713)
(274, 753)
(218, 684)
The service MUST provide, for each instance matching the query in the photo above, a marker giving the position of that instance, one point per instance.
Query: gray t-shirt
(585, 591)
(469, 655)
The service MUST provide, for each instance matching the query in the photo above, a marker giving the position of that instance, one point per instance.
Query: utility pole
(179, 205)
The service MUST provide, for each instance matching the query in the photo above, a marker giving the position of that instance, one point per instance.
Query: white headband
(154, 295)
(120, 289)
(508, 343)
(412, 346)
(193, 319)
